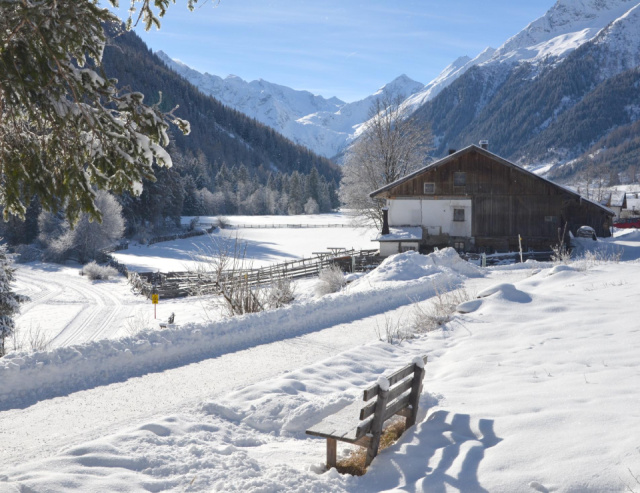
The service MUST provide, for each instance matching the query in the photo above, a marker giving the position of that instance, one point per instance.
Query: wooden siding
(507, 201)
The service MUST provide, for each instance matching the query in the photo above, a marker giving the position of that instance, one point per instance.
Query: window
(458, 214)
(429, 188)
(459, 245)
(551, 219)
(407, 248)
(459, 179)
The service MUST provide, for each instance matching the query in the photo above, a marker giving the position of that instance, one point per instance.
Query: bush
(27, 253)
(331, 280)
(223, 222)
(98, 272)
(85, 239)
(280, 292)
(193, 223)
(438, 310)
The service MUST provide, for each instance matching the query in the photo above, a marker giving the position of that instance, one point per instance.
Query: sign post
(154, 300)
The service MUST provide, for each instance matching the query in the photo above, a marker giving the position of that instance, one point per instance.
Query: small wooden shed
(476, 201)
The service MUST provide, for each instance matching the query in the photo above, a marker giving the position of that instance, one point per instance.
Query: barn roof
(491, 155)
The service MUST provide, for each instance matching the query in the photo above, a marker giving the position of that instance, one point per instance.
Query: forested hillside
(229, 163)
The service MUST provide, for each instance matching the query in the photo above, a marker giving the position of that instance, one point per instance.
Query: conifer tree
(66, 128)
(9, 301)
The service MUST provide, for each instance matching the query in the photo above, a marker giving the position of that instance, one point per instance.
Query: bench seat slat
(342, 425)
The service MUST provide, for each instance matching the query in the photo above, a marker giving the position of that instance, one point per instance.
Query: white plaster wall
(391, 247)
(405, 213)
(435, 215)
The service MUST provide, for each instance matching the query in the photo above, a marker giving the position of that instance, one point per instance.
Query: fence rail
(275, 226)
(181, 236)
(181, 284)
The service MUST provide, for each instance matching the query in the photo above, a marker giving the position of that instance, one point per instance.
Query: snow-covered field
(66, 308)
(534, 389)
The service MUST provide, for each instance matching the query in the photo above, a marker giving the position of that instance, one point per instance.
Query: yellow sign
(154, 299)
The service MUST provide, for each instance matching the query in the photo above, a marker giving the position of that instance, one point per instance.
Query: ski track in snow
(98, 307)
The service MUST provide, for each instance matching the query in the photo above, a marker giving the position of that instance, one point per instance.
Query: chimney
(484, 144)
(451, 151)
(385, 221)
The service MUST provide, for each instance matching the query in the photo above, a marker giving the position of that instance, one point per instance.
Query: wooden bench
(358, 424)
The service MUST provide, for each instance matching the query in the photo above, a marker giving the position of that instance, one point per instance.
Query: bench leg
(331, 452)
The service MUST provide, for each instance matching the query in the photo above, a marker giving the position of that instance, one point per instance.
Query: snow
(566, 26)
(323, 125)
(263, 246)
(402, 234)
(534, 389)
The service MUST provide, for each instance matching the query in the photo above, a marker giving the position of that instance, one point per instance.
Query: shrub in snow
(139, 322)
(311, 207)
(32, 339)
(193, 223)
(223, 222)
(392, 332)
(9, 301)
(27, 253)
(98, 272)
(439, 310)
(281, 292)
(87, 237)
(331, 280)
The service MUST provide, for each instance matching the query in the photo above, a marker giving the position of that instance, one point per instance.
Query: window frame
(432, 186)
(459, 179)
(457, 212)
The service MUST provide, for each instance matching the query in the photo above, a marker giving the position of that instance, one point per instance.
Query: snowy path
(69, 309)
(88, 414)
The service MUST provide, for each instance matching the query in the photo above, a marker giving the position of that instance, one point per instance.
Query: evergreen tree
(64, 126)
(9, 301)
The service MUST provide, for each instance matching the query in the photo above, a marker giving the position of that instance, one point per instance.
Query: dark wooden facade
(507, 201)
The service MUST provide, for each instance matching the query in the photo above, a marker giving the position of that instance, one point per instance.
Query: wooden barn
(476, 201)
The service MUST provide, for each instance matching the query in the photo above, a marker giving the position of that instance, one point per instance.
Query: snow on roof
(617, 198)
(633, 203)
(410, 233)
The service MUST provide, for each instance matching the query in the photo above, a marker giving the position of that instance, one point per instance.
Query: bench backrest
(403, 393)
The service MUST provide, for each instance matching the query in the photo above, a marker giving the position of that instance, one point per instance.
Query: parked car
(586, 232)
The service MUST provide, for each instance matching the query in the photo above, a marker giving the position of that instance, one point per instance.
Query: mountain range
(325, 126)
(549, 94)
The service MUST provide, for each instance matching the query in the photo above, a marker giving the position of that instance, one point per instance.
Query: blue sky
(337, 48)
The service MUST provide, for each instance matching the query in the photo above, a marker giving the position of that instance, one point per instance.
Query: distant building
(476, 201)
(616, 201)
(631, 207)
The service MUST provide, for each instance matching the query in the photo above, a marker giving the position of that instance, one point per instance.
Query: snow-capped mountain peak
(400, 86)
(563, 28)
(446, 77)
(323, 125)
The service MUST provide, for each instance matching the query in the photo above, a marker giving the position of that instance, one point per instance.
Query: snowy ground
(263, 246)
(534, 390)
(66, 308)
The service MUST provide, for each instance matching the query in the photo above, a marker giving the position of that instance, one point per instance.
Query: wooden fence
(181, 236)
(275, 226)
(180, 284)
